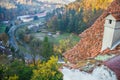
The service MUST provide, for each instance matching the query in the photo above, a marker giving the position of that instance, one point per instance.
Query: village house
(33, 28)
(40, 15)
(25, 18)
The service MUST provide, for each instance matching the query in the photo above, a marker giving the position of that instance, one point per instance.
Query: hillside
(90, 4)
(77, 16)
(10, 9)
(91, 39)
(92, 9)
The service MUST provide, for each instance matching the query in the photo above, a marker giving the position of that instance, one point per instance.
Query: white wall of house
(111, 32)
(117, 24)
(25, 18)
(107, 38)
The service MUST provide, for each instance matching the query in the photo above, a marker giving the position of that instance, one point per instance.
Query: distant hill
(90, 4)
(91, 39)
(90, 7)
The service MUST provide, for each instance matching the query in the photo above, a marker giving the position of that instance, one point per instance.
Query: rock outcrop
(91, 39)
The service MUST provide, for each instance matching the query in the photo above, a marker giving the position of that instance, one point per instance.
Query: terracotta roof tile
(91, 41)
(116, 16)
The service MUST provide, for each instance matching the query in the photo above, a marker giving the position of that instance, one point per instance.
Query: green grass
(56, 40)
(64, 36)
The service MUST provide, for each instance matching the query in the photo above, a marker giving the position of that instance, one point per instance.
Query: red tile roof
(116, 16)
(91, 41)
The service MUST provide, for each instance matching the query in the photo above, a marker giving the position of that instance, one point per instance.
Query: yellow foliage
(96, 4)
(64, 45)
(15, 77)
(90, 4)
(47, 71)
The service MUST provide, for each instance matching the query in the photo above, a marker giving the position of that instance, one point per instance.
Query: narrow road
(11, 33)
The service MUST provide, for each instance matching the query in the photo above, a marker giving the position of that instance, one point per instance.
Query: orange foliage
(3, 37)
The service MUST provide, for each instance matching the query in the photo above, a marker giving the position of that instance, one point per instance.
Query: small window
(110, 21)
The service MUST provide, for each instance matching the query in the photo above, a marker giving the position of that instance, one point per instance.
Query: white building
(40, 15)
(26, 18)
(111, 37)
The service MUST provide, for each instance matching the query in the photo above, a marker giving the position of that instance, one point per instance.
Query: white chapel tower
(111, 36)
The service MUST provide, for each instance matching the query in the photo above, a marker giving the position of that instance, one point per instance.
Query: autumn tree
(48, 70)
(64, 45)
(52, 24)
(35, 48)
(4, 38)
(16, 70)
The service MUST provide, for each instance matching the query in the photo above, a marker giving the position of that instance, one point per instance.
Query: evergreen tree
(47, 49)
